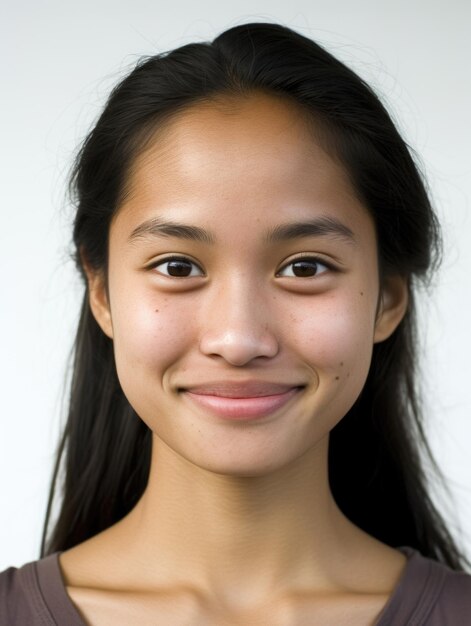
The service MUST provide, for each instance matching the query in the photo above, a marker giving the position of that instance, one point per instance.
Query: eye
(177, 267)
(306, 267)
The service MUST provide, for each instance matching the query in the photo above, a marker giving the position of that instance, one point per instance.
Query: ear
(392, 306)
(98, 297)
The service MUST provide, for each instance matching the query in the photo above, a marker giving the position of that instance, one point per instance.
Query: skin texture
(241, 513)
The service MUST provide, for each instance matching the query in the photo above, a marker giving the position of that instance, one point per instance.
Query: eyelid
(309, 257)
(174, 257)
(300, 257)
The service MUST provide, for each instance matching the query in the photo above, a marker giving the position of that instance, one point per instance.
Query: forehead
(255, 155)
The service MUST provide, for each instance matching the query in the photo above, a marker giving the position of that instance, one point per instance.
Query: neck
(239, 537)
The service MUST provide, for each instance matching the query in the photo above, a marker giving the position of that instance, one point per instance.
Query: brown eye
(177, 267)
(306, 267)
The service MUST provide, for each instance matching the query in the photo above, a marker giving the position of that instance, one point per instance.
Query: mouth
(251, 405)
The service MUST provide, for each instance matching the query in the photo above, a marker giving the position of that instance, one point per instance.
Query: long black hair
(378, 453)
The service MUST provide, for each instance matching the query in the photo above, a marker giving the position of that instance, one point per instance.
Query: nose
(237, 324)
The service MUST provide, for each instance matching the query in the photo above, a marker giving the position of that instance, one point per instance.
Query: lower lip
(243, 408)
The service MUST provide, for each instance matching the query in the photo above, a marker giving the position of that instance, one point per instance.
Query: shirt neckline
(53, 589)
(415, 578)
(416, 591)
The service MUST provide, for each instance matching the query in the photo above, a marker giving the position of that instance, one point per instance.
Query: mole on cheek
(156, 310)
(337, 378)
(361, 293)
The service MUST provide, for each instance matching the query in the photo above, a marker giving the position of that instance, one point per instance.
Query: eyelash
(314, 259)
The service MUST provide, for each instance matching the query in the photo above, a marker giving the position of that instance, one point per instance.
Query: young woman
(244, 442)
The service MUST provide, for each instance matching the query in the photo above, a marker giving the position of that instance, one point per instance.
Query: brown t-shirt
(427, 594)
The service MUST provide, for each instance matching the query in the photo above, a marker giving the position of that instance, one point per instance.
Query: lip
(245, 407)
(240, 389)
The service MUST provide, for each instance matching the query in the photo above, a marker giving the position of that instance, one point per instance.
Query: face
(248, 300)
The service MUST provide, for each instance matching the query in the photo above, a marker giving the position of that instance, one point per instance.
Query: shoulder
(14, 602)
(429, 593)
(453, 603)
(444, 594)
(21, 598)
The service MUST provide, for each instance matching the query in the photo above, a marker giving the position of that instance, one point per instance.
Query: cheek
(335, 334)
(151, 332)
(335, 337)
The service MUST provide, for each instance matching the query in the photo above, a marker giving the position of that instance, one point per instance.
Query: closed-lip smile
(237, 400)
(240, 389)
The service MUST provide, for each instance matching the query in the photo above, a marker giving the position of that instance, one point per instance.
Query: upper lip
(238, 389)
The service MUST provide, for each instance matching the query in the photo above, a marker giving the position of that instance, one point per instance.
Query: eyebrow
(323, 226)
(158, 227)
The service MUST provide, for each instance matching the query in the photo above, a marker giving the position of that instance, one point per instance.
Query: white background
(59, 61)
